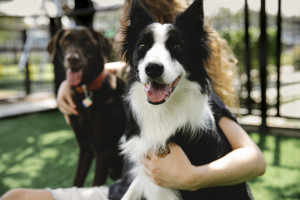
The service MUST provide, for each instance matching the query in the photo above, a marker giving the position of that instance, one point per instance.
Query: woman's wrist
(196, 178)
(204, 176)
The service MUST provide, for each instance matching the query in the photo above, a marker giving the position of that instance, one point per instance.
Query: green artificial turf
(40, 151)
(36, 151)
(282, 178)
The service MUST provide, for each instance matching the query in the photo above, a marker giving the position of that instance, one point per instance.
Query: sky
(289, 7)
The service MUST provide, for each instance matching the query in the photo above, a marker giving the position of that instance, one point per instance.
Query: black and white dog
(168, 96)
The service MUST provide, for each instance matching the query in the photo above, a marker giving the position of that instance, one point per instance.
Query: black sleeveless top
(119, 188)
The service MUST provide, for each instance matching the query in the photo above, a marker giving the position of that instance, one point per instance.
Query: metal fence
(278, 86)
(26, 75)
(27, 79)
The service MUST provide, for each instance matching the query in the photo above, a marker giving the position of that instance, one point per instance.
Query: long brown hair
(163, 11)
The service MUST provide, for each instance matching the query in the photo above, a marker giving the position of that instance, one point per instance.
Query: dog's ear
(52, 47)
(196, 36)
(139, 18)
(192, 19)
(194, 31)
(106, 44)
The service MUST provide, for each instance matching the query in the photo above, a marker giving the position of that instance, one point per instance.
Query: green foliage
(236, 40)
(4, 35)
(296, 54)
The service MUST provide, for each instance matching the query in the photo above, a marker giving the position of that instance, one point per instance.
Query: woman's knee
(27, 194)
(14, 194)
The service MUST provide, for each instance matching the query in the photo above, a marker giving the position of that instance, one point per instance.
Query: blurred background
(37, 148)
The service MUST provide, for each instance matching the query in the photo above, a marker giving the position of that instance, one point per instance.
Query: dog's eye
(142, 46)
(177, 47)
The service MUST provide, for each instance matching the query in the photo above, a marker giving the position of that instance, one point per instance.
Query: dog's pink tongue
(156, 92)
(74, 78)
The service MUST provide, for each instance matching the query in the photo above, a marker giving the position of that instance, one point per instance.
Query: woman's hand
(172, 171)
(65, 102)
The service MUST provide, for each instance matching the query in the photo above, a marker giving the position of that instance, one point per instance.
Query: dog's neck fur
(159, 122)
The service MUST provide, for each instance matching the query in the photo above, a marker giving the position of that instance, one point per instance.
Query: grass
(36, 151)
(281, 180)
(40, 151)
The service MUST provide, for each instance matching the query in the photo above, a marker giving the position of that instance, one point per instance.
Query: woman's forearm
(243, 163)
(237, 166)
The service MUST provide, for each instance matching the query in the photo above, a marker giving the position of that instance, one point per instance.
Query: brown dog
(97, 95)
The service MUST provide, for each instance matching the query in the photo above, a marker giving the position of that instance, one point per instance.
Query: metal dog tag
(87, 102)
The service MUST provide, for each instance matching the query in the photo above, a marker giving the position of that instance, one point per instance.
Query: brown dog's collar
(95, 85)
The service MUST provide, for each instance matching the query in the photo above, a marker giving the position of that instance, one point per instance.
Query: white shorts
(74, 193)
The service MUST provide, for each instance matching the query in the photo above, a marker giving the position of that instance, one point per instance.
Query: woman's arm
(175, 170)
(65, 102)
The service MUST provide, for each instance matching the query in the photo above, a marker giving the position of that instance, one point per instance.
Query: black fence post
(248, 58)
(278, 56)
(59, 72)
(263, 62)
(27, 79)
(87, 18)
(27, 72)
(55, 25)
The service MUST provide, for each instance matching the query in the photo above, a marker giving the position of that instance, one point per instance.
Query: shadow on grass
(290, 191)
(37, 151)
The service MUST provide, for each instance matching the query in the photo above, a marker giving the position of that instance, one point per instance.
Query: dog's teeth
(146, 87)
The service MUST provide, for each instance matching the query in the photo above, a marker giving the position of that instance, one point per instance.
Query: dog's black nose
(154, 70)
(72, 58)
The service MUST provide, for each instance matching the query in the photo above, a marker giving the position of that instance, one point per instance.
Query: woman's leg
(91, 193)
(27, 194)
(74, 193)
